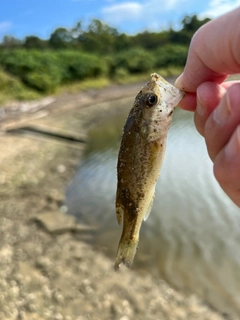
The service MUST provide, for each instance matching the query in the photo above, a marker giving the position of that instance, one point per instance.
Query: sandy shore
(47, 271)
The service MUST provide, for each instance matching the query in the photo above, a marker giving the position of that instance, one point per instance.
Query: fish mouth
(170, 94)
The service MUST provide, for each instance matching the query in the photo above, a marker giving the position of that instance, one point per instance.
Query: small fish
(140, 159)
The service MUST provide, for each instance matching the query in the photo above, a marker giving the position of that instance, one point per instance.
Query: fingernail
(223, 110)
(233, 147)
(178, 82)
(199, 108)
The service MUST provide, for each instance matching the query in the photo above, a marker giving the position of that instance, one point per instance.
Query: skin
(214, 54)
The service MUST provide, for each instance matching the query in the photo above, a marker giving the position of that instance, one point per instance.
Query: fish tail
(126, 252)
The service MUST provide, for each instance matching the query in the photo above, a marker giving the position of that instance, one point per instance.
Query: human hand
(214, 53)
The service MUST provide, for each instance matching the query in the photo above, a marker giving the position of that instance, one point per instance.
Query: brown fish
(140, 159)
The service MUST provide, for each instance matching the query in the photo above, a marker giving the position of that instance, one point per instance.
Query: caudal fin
(126, 252)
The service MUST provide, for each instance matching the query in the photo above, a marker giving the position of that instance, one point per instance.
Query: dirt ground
(47, 271)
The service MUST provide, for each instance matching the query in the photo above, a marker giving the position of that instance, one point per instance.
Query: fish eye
(151, 100)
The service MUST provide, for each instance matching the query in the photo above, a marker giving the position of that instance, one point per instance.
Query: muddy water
(192, 236)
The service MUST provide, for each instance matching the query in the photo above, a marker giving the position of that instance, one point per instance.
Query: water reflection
(193, 232)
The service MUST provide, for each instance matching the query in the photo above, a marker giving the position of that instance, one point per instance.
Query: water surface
(192, 235)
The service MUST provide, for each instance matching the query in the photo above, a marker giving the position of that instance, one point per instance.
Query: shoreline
(47, 271)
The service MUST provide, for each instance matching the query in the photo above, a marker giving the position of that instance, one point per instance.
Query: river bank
(47, 271)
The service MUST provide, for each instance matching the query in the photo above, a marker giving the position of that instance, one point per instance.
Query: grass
(11, 88)
(133, 78)
(102, 82)
(94, 83)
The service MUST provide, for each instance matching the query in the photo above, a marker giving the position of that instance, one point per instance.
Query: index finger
(189, 100)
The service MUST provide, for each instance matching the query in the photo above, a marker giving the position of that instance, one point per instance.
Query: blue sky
(21, 18)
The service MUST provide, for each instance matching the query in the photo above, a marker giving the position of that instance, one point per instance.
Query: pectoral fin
(119, 213)
(149, 208)
(144, 130)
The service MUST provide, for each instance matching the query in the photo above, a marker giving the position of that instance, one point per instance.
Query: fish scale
(140, 158)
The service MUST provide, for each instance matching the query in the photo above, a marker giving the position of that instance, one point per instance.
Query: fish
(140, 159)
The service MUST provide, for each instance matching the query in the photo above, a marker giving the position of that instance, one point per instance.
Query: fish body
(140, 158)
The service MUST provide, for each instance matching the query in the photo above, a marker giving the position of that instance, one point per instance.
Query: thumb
(214, 52)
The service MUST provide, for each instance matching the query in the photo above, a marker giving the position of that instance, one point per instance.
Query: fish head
(156, 102)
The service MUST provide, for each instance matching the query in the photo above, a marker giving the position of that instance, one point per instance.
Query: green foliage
(150, 40)
(192, 24)
(121, 74)
(60, 39)
(38, 70)
(12, 88)
(33, 42)
(134, 60)
(86, 84)
(99, 37)
(10, 42)
(77, 65)
(91, 53)
(170, 55)
(46, 70)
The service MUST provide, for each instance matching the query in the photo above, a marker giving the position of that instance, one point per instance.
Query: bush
(45, 70)
(76, 65)
(12, 88)
(170, 55)
(37, 69)
(121, 74)
(135, 60)
(41, 81)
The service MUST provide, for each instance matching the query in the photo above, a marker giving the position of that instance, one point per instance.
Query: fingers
(228, 84)
(196, 72)
(188, 102)
(213, 53)
(223, 121)
(217, 118)
(227, 167)
(209, 95)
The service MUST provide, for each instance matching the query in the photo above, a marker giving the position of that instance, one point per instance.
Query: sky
(21, 18)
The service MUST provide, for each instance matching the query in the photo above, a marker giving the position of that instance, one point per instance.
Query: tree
(77, 30)
(10, 42)
(192, 24)
(99, 37)
(33, 42)
(123, 42)
(150, 40)
(61, 38)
